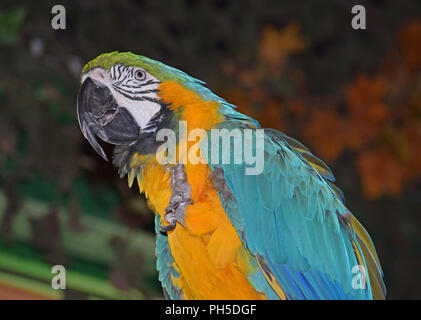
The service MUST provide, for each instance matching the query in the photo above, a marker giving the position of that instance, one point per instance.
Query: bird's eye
(140, 75)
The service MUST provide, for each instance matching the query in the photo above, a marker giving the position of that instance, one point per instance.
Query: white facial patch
(142, 111)
(138, 97)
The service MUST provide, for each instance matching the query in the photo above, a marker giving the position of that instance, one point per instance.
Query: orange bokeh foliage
(273, 51)
(331, 133)
(365, 101)
(381, 172)
(410, 42)
(412, 134)
(327, 128)
(381, 122)
(259, 106)
(277, 45)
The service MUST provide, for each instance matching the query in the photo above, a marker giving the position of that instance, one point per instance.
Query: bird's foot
(175, 213)
(180, 198)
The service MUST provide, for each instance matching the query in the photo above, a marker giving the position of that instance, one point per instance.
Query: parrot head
(118, 100)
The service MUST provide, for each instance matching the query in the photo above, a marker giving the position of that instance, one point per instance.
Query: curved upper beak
(100, 115)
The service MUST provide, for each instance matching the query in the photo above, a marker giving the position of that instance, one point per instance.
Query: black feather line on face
(121, 90)
(144, 98)
(139, 86)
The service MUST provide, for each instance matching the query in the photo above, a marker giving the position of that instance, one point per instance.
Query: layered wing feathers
(293, 220)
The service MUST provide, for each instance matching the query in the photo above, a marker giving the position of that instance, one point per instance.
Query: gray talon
(169, 227)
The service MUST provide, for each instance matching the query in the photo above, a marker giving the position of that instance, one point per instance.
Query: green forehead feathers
(155, 68)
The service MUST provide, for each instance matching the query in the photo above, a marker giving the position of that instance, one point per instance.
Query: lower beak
(99, 115)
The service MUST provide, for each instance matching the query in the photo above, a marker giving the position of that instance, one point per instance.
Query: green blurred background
(352, 96)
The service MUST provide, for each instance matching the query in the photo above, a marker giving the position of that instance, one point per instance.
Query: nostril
(99, 74)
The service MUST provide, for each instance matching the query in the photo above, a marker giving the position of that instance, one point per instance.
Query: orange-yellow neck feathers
(190, 106)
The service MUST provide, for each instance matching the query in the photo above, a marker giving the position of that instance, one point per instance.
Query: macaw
(282, 233)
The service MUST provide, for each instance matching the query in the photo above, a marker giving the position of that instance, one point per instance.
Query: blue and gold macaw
(282, 233)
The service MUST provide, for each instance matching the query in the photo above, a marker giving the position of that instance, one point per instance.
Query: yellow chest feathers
(207, 251)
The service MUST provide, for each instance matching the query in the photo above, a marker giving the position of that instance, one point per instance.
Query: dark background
(352, 96)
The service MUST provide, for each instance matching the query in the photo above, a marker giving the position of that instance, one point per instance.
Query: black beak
(99, 115)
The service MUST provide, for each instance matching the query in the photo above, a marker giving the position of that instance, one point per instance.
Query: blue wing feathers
(164, 264)
(288, 215)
